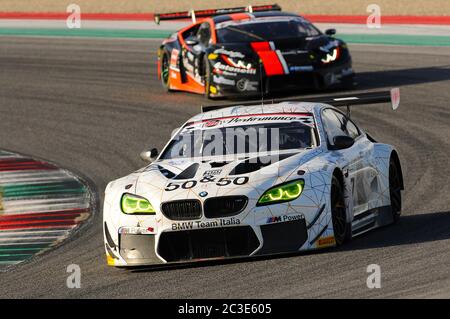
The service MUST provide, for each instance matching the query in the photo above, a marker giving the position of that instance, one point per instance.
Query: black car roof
(227, 17)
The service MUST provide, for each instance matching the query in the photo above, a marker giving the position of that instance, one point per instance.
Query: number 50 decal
(236, 181)
(186, 185)
(221, 182)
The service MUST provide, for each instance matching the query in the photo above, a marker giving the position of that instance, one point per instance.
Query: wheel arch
(338, 173)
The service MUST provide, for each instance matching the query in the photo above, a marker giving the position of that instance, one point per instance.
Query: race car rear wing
(392, 96)
(213, 12)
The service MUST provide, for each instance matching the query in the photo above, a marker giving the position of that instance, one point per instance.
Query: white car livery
(254, 180)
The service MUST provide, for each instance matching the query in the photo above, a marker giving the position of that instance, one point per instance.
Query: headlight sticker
(134, 204)
(282, 193)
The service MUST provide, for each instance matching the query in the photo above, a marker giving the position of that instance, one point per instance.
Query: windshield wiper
(246, 33)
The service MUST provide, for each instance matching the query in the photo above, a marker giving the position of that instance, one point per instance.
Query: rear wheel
(395, 189)
(342, 229)
(165, 67)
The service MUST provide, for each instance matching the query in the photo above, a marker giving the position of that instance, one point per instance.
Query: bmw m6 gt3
(250, 180)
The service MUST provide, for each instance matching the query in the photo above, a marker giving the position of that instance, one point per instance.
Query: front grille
(277, 83)
(182, 209)
(207, 243)
(225, 206)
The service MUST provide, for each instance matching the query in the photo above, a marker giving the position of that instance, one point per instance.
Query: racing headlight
(282, 193)
(332, 56)
(133, 204)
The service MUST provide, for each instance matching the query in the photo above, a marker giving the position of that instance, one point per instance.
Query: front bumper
(317, 77)
(210, 243)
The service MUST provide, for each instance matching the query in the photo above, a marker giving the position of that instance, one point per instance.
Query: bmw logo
(203, 194)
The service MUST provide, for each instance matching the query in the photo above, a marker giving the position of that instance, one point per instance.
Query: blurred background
(347, 7)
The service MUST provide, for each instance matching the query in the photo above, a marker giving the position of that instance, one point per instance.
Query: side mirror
(191, 41)
(149, 156)
(330, 32)
(342, 142)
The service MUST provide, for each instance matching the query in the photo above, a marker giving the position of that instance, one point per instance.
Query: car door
(353, 160)
(196, 41)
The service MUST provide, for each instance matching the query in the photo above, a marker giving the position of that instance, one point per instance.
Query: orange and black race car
(251, 51)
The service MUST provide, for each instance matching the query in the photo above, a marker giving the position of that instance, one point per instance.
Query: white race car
(253, 180)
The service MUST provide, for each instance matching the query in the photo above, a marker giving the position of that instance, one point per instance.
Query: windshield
(265, 30)
(237, 140)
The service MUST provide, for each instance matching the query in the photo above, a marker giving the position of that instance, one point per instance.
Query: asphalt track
(92, 105)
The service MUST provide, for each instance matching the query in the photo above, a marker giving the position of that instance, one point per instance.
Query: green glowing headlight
(133, 204)
(282, 193)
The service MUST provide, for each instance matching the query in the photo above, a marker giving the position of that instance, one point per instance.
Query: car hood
(186, 178)
(296, 51)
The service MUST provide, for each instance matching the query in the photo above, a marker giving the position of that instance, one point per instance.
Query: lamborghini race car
(252, 180)
(244, 52)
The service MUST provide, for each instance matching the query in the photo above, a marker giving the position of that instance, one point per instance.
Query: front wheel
(207, 77)
(165, 67)
(342, 229)
(395, 190)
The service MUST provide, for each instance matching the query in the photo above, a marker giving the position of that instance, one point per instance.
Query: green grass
(390, 39)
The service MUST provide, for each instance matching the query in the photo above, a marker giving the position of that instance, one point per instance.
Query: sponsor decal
(188, 66)
(203, 194)
(226, 73)
(212, 123)
(247, 85)
(211, 172)
(222, 80)
(237, 64)
(294, 52)
(284, 218)
(305, 68)
(326, 241)
(228, 68)
(174, 58)
(198, 224)
(232, 54)
(304, 118)
(263, 118)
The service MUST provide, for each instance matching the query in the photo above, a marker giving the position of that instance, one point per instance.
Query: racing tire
(207, 76)
(165, 68)
(342, 229)
(395, 190)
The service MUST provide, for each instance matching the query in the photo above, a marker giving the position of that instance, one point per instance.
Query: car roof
(260, 109)
(245, 16)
